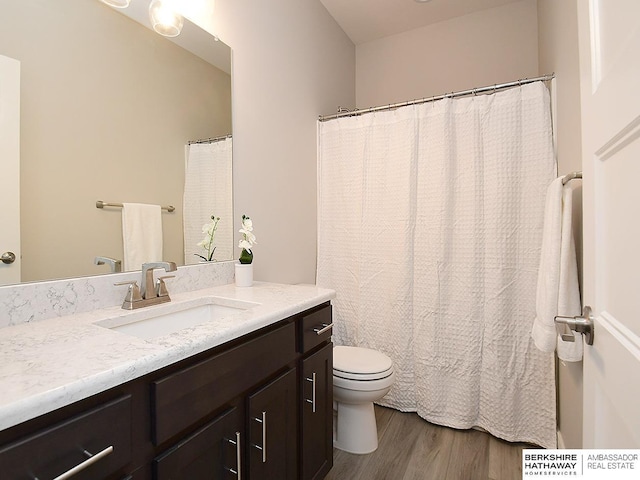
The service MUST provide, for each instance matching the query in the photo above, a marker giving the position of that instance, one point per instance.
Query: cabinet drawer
(185, 397)
(314, 329)
(102, 433)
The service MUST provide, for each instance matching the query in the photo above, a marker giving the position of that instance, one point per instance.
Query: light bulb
(164, 19)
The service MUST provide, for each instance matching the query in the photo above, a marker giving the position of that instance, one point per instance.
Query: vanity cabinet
(258, 407)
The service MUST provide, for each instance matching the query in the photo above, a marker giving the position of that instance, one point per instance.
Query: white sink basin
(151, 322)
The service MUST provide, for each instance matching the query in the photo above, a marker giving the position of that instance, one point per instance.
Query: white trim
(620, 332)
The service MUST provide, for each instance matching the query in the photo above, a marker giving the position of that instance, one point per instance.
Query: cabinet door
(317, 414)
(211, 453)
(272, 430)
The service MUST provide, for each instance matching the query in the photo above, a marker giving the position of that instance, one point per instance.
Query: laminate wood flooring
(410, 448)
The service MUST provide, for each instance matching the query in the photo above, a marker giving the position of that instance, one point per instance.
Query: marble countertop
(52, 363)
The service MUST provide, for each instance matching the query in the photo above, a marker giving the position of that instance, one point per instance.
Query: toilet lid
(358, 362)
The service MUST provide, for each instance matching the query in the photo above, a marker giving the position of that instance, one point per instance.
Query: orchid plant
(209, 229)
(248, 240)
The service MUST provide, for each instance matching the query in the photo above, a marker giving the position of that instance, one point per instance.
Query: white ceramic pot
(244, 274)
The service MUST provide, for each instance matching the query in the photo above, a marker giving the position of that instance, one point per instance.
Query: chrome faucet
(114, 265)
(148, 293)
(147, 288)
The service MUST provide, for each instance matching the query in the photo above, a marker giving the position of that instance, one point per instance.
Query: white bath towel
(141, 234)
(558, 291)
(568, 290)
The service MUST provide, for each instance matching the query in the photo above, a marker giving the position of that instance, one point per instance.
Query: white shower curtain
(430, 221)
(208, 191)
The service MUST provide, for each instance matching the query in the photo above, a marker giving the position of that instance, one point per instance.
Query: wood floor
(409, 448)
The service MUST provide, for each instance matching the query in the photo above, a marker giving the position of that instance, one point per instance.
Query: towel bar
(101, 204)
(570, 176)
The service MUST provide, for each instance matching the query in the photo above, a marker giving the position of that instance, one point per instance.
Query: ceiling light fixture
(117, 3)
(164, 19)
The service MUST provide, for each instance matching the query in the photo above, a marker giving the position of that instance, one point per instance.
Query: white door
(610, 99)
(9, 170)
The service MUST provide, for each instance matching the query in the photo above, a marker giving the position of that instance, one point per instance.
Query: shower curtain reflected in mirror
(429, 229)
(208, 191)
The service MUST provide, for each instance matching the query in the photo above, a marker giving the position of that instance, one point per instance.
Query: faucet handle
(133, 294)
(161, 287)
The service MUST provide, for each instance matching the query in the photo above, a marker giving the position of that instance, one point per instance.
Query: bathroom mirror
(107, 109)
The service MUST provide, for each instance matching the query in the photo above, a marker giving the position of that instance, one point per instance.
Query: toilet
(361, 376)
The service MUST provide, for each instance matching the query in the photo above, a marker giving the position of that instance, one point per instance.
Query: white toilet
(361, 376)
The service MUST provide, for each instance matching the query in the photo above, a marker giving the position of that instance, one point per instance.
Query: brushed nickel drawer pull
(313, 392)
(89, 461)
(326, 328)
(236, 442)
(262, 448)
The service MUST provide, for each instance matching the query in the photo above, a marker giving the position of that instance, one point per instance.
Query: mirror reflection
(108, 109)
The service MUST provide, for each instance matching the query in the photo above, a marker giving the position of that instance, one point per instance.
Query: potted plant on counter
(244, 269)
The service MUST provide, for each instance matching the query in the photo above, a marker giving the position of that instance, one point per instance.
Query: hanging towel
(558, 292)
(141, 234)
(569, 291)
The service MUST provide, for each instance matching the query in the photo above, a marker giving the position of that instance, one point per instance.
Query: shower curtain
(429, 229)
(208, 191)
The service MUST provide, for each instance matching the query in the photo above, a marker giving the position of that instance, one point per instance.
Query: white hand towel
(557, 292)
(141, 234)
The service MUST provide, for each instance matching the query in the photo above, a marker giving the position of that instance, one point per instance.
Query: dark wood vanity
(257, 407)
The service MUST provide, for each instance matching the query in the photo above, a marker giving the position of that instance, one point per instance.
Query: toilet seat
(364, 385)
(360, 364)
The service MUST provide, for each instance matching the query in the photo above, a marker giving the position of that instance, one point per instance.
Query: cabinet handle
(313, 392)
(325, 327)
(263, 448)
(236, 442)
(89, 461)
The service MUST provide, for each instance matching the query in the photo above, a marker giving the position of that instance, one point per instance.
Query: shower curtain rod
(462, 93)
(209, 140)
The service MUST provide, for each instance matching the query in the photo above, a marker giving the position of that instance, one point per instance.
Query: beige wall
(558, 52)
(107, 107)
(491, 46)
(291, 62)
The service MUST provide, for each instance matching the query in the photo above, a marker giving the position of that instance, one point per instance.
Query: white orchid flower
(247, 241)
(248, 236)
(247, 224)
(209, 229)
(245, 245)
